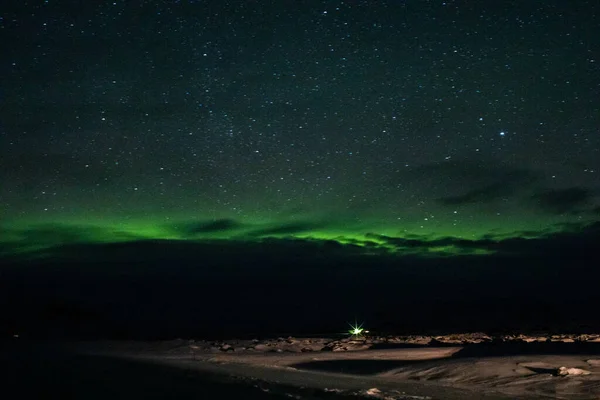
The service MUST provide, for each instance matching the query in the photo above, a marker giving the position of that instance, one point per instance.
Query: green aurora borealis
(34, 240)
(405, 127)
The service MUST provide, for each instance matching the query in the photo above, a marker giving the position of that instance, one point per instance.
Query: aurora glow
(405, 128)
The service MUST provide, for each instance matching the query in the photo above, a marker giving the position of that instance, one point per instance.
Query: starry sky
(410, 126)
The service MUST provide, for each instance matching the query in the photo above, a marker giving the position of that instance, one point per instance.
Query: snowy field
(445, 368)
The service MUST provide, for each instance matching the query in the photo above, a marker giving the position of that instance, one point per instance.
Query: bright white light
(356, 329)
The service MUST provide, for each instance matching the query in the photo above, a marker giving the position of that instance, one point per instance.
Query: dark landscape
(300, 199)
(168, 289)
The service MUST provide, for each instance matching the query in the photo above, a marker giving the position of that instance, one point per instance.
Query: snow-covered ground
(473, 366)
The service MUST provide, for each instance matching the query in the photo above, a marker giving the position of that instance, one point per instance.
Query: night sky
(414, 126)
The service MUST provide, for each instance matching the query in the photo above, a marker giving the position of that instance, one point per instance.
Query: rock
(557, 338)
(373, 392)
(564, 371)
(594, 363)
(261, 347)
(539, 367)
(419, 340)
(535, 339)
(334, 346)
(451, 339)
(306, 350)
(227, 347)
(479, 337)
(357, 342)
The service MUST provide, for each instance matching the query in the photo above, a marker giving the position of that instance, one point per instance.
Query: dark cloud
(500, 183)
(562, 201)
(473, 180)
(453, 182)
(572, 241)
(577, 242)
(206, 227)
(285, 229)
(480, 195)
(398, 242)
(359, 242)
(242, 230)
(221, 254)
(424, 245)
